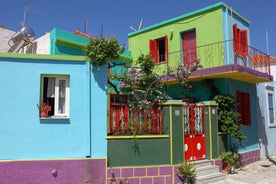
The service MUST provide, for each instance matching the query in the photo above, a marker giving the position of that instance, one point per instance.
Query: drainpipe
(89, 107)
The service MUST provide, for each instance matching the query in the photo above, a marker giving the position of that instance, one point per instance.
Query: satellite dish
(139, 27)
(141, 24)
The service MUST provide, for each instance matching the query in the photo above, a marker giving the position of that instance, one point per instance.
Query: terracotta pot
(44, 114)
(226, 167)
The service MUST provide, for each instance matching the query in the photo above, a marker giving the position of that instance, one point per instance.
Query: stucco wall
(266, 131)
(24, 135)
(5, 36)
(208, 25)
(53, 171)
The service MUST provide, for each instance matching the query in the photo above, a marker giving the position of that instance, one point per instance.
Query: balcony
(220, 60)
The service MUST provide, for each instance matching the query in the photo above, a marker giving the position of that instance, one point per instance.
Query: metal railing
(217, 54)
(136, 122)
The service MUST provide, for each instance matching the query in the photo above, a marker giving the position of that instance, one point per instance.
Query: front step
(207, 172)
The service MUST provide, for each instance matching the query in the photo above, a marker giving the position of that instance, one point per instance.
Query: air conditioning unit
(133, 72)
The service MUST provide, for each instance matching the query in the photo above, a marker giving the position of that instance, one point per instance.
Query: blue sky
(117, 16)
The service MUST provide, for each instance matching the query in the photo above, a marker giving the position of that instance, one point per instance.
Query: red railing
(136, 122)
(217, 54)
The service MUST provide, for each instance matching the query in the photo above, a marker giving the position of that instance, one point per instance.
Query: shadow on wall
(100, 76)
(262, 131)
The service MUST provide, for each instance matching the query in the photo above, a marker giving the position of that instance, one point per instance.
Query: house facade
(266, 114)
(77, 142)
(61, 147)
(220, 38)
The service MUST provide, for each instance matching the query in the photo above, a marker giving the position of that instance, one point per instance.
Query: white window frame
(270, 91)
(58, 78)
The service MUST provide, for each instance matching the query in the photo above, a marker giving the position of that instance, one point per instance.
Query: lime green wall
(208, 25)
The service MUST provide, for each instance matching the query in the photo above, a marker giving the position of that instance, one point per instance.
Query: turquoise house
(61, 146)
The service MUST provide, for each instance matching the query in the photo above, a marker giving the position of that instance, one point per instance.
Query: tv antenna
(139, 27)
(26, 11)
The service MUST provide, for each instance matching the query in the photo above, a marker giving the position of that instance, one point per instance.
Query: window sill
(272, 126)
(54, 117)
(162, 62)
(54, 120)
(138, 137)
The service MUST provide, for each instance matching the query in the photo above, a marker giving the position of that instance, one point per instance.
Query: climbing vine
(228, 117)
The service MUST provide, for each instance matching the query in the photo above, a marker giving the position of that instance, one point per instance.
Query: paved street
(261, 172)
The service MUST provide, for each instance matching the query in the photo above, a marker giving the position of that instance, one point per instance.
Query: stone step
(206, 170)
(202, 163)
(210, 178)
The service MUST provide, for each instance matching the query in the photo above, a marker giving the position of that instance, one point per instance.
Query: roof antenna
(139, 27)
(85, 25)
(267, 46)
(101, 35)
(26, 11)
(141, 24)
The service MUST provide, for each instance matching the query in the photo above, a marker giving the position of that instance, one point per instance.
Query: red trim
(78, 32)
(167, 48)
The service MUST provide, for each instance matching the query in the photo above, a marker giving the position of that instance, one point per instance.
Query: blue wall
(250, 131)
(23, 135)
(231, 17)
(266, 130)
(99, 111)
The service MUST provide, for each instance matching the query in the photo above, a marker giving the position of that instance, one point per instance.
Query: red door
(194, 132)
(189, 54)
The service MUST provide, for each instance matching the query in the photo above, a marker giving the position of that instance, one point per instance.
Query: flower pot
(226, 167)
(44, 114)
(188, 180)
(44, 110)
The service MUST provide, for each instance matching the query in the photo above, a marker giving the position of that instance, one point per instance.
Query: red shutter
(243, 43)
(246, 109)
(243, 108)
(239, 106)
(236, 38)
(153, 50)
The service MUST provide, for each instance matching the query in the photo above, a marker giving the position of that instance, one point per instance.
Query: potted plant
(187, 172)
(44, 110)
(230, 160)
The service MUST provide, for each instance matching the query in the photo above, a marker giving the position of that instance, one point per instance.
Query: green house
(219, 37)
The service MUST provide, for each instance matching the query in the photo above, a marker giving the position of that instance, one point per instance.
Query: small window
(270, 106)
(55, 93)
(159, 49)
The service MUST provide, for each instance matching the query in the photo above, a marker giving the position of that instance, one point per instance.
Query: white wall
(5, 36)
(43, 44)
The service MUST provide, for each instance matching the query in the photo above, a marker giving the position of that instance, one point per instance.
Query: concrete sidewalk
(261, 172)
